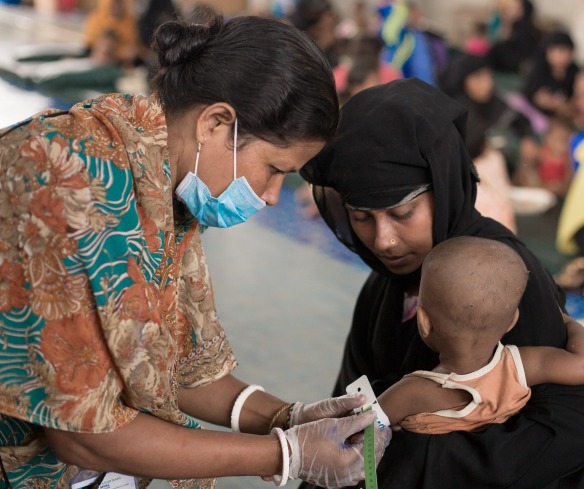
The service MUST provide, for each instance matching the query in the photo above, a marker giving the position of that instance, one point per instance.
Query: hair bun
(177, 42)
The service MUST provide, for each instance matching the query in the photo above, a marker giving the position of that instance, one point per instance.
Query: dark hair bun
(177, 42)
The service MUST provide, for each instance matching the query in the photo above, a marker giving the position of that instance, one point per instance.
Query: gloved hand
(320, 453)
(333, 407)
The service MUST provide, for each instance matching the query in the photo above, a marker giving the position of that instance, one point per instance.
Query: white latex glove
(321, 454)
(333, 407)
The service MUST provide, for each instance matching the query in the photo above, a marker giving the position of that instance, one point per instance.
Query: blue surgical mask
(235, 205)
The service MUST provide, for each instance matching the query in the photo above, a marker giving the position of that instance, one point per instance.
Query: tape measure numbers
(369, 456)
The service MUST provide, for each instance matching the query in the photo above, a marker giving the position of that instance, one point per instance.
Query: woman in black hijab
(549, 85)
(514, 48)
(469, 80)
(396, 181)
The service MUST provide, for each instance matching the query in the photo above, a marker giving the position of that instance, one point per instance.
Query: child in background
(318, 19)
(478, 43)
(555, 168)
(361, 68)
(478, 381)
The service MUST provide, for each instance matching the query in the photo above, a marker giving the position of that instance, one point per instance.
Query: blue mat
(285, 218)
(575, 304)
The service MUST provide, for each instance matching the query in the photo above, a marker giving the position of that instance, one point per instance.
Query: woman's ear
(424, 323)
(214, 119)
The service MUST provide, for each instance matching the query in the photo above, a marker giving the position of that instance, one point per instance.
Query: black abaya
(407, 128)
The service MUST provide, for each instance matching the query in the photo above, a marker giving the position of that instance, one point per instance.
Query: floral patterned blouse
(106, 308)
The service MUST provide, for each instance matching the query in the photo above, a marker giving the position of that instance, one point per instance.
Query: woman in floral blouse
(110, 345)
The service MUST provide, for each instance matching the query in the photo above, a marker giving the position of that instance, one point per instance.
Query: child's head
(559, 50)
(363, 74)
(470, 288)
(557, 136)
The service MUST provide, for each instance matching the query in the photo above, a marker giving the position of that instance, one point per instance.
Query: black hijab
(540, 74)
(391, 139)
(508, 55)
(484, 117)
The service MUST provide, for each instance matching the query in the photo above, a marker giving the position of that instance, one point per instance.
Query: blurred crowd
(519, 81)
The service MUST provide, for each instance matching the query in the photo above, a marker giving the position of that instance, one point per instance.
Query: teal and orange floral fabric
(106, 307)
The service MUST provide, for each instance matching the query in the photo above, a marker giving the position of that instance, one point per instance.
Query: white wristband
(281, 480)
(238, 404)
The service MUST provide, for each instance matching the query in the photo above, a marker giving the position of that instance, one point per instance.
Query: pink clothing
(341, 73)
(553, 167)
(493, 191)
(499, 390)
(479, 46)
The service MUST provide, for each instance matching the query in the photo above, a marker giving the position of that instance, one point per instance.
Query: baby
(469, 295)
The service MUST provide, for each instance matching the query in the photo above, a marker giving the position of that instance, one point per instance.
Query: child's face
(559, 57)
(557, 139)
(479, 85)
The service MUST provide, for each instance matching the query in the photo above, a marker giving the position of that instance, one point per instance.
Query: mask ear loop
(235, 150)
(199, 146)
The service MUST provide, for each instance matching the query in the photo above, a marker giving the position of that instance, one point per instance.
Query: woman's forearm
(214, 402)
(153, 448)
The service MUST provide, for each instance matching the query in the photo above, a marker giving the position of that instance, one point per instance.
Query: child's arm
(544, 364)
(415, 395)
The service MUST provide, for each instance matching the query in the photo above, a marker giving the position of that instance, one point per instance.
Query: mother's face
(400, 237)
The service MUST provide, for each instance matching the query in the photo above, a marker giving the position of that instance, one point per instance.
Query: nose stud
(392, 242)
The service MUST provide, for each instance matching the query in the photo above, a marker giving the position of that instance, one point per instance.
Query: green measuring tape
(369, 455)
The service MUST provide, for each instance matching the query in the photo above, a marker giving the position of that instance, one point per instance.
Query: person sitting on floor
(549, 84)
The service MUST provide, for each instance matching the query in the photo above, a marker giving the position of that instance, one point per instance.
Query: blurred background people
(111, 30)
(578, 101)
(549, 84)
(570, 235)
(411, 49)
(318, 19)
(478, 43)
(554, 166)
(154, 13)
(514, 35)
(361, 66)
(469, 80)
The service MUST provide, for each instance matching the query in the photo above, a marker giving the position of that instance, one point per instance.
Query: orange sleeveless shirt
(499, 390)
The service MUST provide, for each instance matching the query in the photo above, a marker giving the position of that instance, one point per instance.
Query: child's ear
(424, 323)
(514, 322)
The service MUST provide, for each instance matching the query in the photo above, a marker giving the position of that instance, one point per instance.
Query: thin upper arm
(414, 395)
(545, 364)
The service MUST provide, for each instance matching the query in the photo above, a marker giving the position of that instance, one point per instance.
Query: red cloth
(552, 167)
